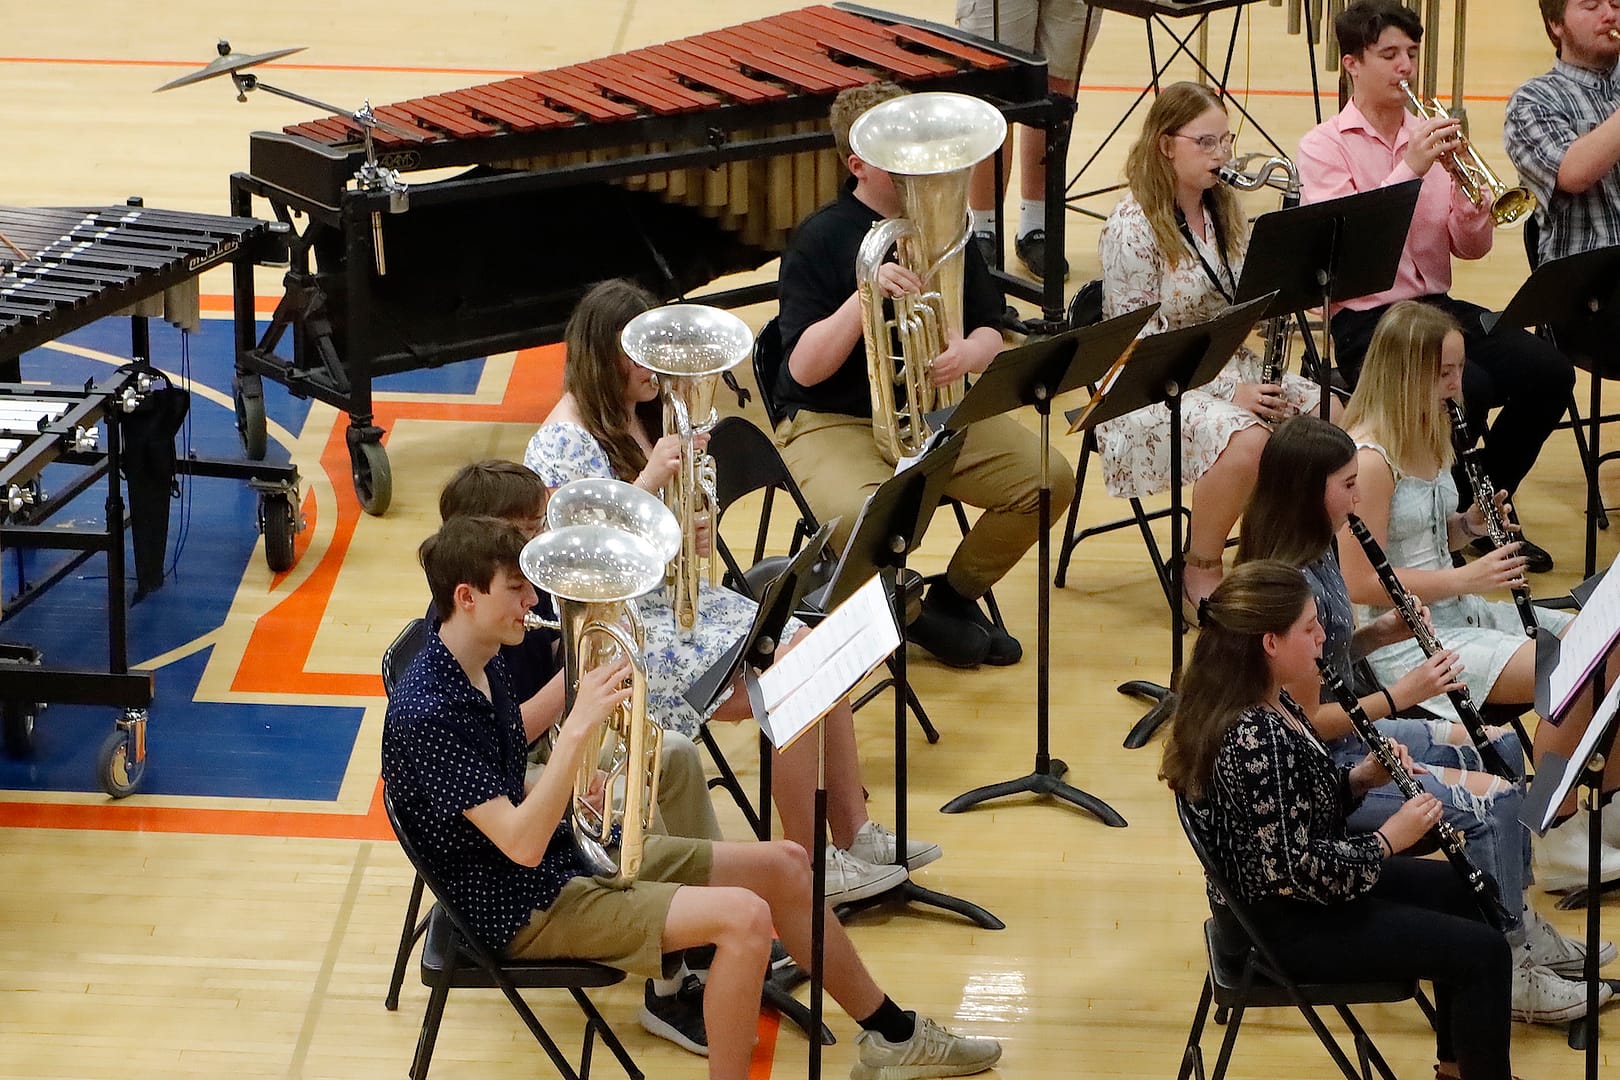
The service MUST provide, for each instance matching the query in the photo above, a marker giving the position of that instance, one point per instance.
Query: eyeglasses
(1208, 143)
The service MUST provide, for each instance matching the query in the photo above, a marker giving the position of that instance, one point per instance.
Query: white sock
(668, 987)
(984, 220)
(1031, 216)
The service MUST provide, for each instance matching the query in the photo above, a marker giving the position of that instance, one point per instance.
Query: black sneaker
(953, 640)
(678, 1017)
(1539, 562)
(1003, 649)
(986, 243)
(1031, 249)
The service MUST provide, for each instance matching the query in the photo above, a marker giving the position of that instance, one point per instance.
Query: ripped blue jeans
(1497, 841)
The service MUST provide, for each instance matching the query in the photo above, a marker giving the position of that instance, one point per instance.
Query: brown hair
(596, 380)
(494, 488)
(1394, 403)
(1229, 670)
(470, 551)
(1286, 518)
(1153, 180)
(1552, 12)
(848, 106)
(1359, 26)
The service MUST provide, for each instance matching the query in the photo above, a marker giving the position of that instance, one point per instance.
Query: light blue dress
(560, 452)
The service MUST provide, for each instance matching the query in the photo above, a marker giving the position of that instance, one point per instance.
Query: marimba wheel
(278, 518)
(250, 424)
(120, 773)
(373, 479)
(18, 726)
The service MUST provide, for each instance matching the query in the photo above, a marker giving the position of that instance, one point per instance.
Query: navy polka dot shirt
(447, 748)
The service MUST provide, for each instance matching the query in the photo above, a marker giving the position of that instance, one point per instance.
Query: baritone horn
(928, 143)
(1509, 206)
(689, 347)
(606, 544)
(1251, 172)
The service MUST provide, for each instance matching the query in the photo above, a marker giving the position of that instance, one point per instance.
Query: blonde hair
(1395, 403)
(848, 106)
(1153, 179)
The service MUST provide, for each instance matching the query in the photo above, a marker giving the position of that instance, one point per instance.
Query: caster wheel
(250, 424)
(120, 773)
(18, 727)
(279, 520)
(373, 480)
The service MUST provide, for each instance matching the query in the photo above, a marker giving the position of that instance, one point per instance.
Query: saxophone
(1404, 603)
(1485, 498)
(1251, 172)
(928, 143)
(1486, 892)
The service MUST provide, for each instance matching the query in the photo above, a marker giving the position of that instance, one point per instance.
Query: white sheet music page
(827, 663)
(1586, 641)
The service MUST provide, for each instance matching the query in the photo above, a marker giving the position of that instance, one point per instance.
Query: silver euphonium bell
(928, 143)
(606, 543)
(688, 346)
(1251, 172)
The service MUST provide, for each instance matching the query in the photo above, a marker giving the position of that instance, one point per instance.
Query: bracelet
(1383, 842)
(1391, 699)
(1468, 528)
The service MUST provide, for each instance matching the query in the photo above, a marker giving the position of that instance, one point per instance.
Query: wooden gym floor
(239, 917)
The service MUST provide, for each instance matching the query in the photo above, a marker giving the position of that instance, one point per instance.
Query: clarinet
(1402, 601)
(1275, 361)
(1482, 885)
(1485, 499)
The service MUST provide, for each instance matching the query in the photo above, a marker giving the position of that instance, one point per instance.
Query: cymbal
(226, 62)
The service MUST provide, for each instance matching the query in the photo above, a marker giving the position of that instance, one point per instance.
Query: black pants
(1418, 922)
(1525, 376)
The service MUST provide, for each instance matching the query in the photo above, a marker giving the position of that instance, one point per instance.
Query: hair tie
(1204, 617)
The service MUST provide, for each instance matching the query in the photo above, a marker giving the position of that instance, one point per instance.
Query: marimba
(674, 165)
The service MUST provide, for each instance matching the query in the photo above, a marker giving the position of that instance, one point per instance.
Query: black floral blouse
(1275, 813)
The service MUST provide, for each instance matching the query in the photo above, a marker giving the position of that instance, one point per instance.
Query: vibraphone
(61, 269)
(674, 164)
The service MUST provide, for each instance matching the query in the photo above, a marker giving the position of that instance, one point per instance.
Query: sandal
(1190, 604)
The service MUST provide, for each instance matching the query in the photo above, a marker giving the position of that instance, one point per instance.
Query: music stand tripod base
(1164, 704)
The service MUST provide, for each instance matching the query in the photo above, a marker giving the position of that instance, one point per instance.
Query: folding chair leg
(1234, 1020)
(409, 935)
(1192, 1058)
(1070, 541)
(532, 1022)
(594, 1021)
(1329, 1043)
(728, 778)
(430, 1027)
(1366, 1050)
(1423, 1000)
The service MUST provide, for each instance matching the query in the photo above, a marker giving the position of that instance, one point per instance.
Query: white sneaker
(1540, 997)
(850, 878)
(931, 1051)
(1546, 947)
(1611, 823)
(875, 844)
(1560, 857)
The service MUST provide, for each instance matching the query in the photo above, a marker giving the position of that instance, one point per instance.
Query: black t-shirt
(818, 275)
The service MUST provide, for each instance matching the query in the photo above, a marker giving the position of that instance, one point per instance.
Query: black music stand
(748, 655)
(1555, 777)
(1577, 296)
(890, 526)
(1315, 254)
(1033, 375)
(1162, 369)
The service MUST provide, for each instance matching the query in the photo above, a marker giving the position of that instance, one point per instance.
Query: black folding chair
(1247, 974)
(452, 956)
(395, 659)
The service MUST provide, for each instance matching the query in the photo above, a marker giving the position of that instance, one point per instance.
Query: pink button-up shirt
(1345, 155)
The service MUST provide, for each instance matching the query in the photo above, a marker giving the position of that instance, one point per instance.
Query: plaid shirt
(1544, 117)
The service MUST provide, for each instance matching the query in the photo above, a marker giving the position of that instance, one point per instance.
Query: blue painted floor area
(212, 749)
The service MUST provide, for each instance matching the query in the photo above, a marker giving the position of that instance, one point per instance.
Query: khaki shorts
(623, 928)
(1059, 30)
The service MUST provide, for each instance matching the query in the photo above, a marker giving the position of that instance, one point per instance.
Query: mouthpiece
(1614, 33)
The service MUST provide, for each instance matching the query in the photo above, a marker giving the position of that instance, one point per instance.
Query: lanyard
(1209, 271)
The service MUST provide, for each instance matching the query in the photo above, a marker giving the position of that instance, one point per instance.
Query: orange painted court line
(262, 305)
(759, 1066)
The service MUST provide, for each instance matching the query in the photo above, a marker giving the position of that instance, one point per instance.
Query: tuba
(1251, 172)
(607, 543)
(1509, 206)
(928, 143)
(688, 346)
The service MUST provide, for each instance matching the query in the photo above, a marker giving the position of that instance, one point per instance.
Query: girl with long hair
(1306, 491)
(607, 424)
(1272, 807)
(1178, 240)
(1398, 420)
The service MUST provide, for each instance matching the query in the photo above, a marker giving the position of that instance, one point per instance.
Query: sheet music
(1585, 642)
(802, 686)
(935, 437)
(1583, 751)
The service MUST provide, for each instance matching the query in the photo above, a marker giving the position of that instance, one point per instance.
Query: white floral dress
(1135, 447)
(560, 452)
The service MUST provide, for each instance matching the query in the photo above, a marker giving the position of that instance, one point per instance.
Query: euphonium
(1250, 173)
(688, 346)
(1509, 206)
(928, 143)
(607, 543)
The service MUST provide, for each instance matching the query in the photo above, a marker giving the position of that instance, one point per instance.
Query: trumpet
(1509, 206)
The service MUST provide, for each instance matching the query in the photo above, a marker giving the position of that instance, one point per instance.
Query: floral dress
(560, 452)
(1135, 447)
